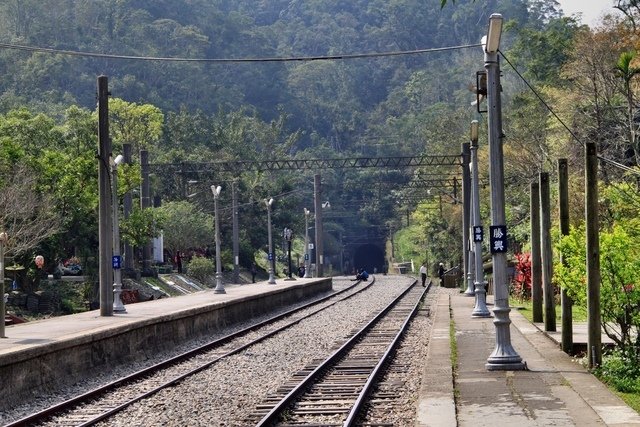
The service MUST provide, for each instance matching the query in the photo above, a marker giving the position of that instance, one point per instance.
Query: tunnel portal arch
(370, 257)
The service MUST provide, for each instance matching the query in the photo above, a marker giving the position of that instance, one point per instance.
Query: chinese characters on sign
(478, 233)
(498, 238)
(116, 262)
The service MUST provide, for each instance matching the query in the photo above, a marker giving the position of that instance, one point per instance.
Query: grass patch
(454, 356)
(631, 399)
(578, 313)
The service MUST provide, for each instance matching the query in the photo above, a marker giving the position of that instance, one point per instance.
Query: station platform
(50, 352)
(553, 390)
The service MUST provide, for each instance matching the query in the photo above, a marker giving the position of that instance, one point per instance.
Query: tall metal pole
(307, 212)
(104, 188)
(565, 300)
(118, 307)
(480, 309)
(219, 289)
(546, 255)
(466, 216)
(317, 202)
(504, 356)
(594, 331)
(536, 263)
(271, 256)
(3, 242)
(288, 235)
(145, 202)
(236, 232)
(127, 205)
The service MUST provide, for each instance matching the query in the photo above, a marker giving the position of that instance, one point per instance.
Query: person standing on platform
(253, 272)
(441, 273)
(423, 274)
(178, 261)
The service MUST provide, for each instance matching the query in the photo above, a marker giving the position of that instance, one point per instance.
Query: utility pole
(504, 357)
(546, 254)
(536, 265)
(317, 205)
(105, 246)
(3, 308)
(594, 333)
(466, 215)
(236, 235)
(480, 309)
(127, 205)
(145, 202)
(565, 300)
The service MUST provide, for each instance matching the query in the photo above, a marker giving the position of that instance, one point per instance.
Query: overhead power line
(232, 60)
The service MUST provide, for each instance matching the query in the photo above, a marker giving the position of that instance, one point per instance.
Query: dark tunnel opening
(370, 257)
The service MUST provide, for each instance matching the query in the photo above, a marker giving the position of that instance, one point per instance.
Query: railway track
(105, 401)
(336, 390)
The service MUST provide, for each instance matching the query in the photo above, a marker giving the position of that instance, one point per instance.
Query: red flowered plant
(521, 283)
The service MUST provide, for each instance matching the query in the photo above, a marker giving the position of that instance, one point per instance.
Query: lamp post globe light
(307, 212)
(118, 306)
(480, 309)
(504, 356)
(219, 289)
(271, 258)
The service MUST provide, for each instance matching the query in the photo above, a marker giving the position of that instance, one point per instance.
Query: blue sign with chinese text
(478, 233)
(116, 262)
(498, 239)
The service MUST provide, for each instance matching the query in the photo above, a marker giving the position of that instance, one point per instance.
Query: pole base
(518, 366)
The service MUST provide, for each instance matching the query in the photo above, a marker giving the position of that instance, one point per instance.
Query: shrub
(201, 269)
(620, 371)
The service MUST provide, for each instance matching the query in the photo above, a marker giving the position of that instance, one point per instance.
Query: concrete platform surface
(42, 333)
(53, 352)
(554, 390)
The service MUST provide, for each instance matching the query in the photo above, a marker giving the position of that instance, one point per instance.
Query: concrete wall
(61, 362)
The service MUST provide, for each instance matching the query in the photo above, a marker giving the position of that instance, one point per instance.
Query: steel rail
(285, 403)
(377, 371)
(75, 402)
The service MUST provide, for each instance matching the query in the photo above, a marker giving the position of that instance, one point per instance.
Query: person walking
(423, 274)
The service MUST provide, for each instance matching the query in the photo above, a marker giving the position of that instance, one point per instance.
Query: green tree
(185, 226)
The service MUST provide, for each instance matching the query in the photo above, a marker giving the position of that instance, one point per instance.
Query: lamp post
(271, 258)
(3, 242)
(480, 309)
(307, 212)
(219, 289)
(116, 261)
(504, 357)
(288, 234)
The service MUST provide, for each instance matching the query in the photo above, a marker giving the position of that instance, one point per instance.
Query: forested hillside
(177, 92)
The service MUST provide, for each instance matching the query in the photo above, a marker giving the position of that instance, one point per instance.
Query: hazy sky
(591, 9)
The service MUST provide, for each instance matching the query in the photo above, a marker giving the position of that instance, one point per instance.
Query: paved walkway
(555, 390)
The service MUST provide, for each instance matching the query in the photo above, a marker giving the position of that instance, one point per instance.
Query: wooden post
(536, 267)
(594, 331)
(546, 254)
(565, 300)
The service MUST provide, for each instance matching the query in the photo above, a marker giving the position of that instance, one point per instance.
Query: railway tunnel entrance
(370, 257)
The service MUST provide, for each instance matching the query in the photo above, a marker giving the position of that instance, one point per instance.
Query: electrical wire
(232, 60)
